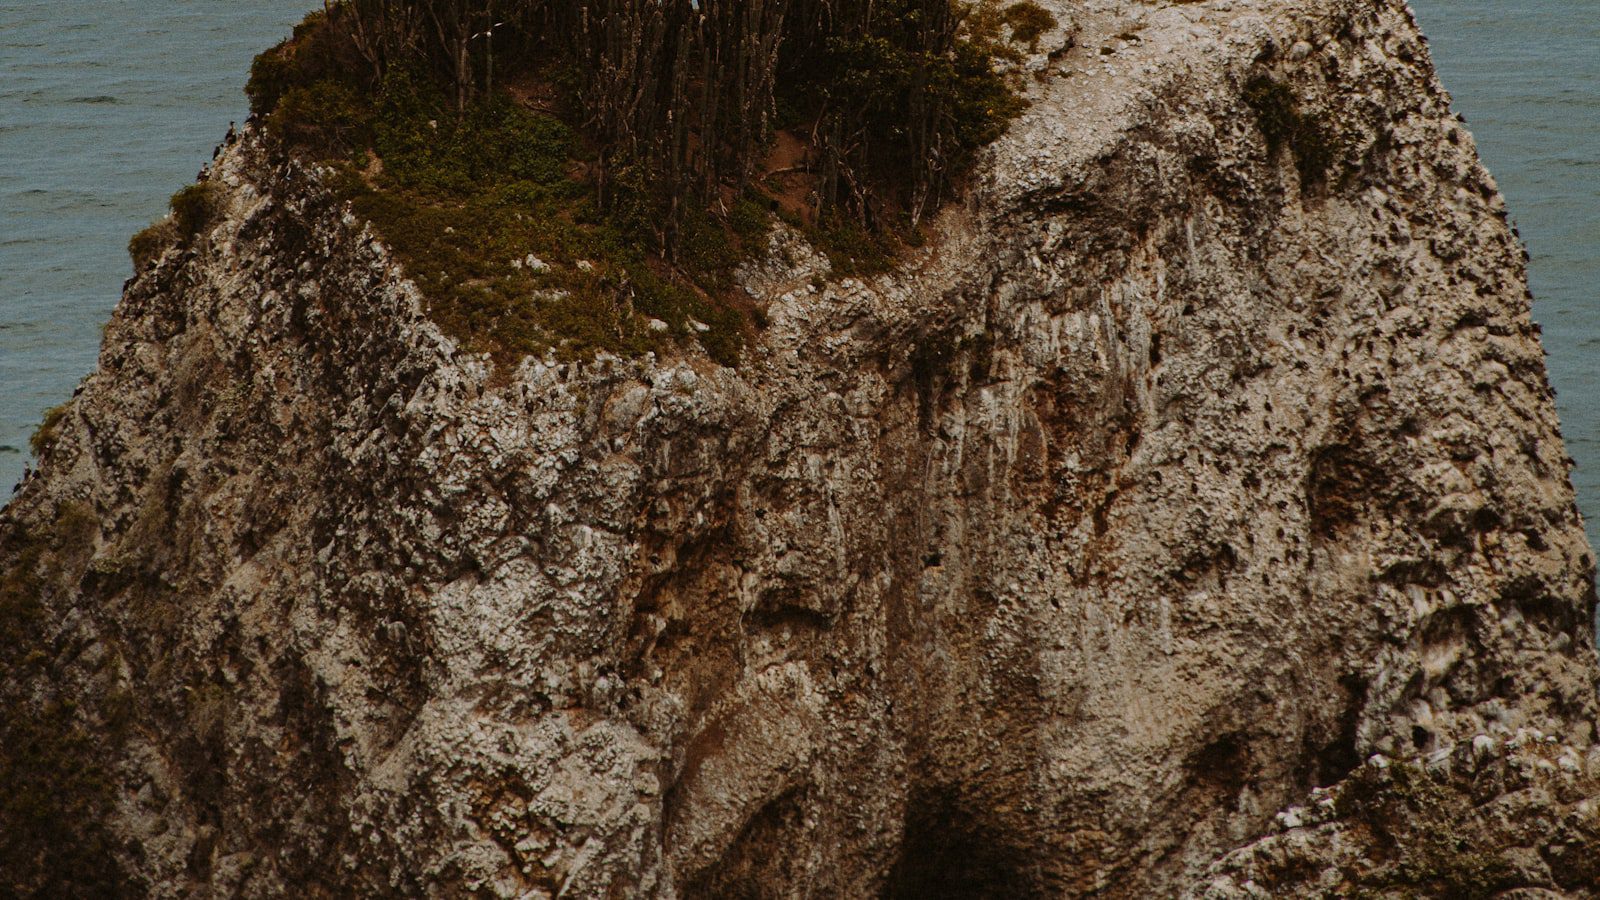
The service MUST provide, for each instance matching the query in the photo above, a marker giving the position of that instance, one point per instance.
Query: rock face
(1190, 514)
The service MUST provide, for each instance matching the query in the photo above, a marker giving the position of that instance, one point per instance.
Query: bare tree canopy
(684, 95)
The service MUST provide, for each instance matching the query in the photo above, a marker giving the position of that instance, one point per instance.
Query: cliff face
(1189, 514)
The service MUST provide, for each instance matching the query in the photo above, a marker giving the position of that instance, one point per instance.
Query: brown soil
(787, 175)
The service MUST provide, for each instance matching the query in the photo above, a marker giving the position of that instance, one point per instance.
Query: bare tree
(681, 94)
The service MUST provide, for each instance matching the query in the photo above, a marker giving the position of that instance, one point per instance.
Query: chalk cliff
(1189, 514)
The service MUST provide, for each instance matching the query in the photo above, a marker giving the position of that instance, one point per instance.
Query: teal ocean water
(1526, 75)
(107, 106)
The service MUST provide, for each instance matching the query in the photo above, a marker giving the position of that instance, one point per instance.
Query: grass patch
(191, 211)
(1419, 820)
(148, 246)
(852, 250)
(45, 435)
(491, 215)
(1028, 22)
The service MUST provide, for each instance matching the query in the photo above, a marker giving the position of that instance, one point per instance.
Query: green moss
(1424, 823)
(1284, 124)
(45, 435)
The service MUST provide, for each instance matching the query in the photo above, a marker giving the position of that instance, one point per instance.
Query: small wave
(7, 448)
(97, 98)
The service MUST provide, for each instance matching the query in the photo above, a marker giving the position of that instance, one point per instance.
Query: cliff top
(589, 176)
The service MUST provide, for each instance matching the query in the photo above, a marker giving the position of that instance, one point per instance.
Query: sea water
(107, 106)
(1526, 76)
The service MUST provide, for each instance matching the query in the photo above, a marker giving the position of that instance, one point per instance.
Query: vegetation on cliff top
(192, 210)
(587, 175)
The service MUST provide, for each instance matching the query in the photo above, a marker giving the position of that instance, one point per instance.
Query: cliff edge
(1189, 514)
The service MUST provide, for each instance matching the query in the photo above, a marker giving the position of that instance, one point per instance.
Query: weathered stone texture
(1182, 471)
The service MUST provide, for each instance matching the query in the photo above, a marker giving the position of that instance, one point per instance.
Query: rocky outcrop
(1473, 820)
(1190, 513)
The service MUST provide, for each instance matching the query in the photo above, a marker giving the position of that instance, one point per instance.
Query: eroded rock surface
(1204, 454)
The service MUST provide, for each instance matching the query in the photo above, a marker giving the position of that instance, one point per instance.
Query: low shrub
(1029, 21)
(191, 211)
(313, 53)
(45, 435)
(851, 249)
(148, 245)
(328, 115)
(195, 208)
